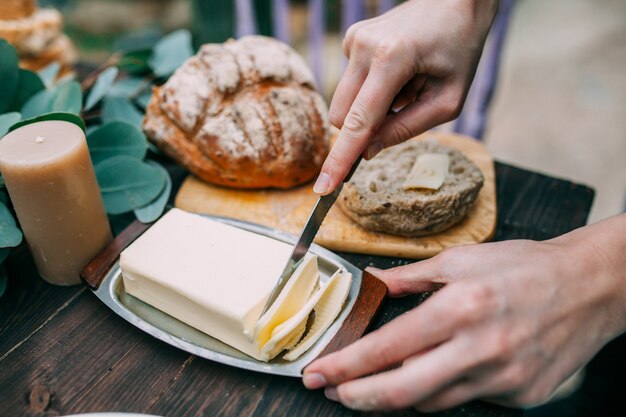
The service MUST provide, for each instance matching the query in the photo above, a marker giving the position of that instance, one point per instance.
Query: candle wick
(40, 139)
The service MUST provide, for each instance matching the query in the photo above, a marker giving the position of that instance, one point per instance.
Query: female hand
(418, 60)
(513, 321)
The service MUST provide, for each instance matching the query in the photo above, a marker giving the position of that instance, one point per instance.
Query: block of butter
(217, 278)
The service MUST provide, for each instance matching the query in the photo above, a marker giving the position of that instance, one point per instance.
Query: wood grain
(95, 271)
(64, 352)
(288, 210)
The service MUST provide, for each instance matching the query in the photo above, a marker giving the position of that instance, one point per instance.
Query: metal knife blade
(323, 205)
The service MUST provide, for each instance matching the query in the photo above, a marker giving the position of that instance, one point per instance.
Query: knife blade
(321, 208)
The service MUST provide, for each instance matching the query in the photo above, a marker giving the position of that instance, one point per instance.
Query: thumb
(414, 278)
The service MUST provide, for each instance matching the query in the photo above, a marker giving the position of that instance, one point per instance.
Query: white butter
(213, 276)
(217, 279)
(429, 171)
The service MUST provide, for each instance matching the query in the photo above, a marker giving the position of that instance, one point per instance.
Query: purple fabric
(353, 11)
(385, 6)
(473, 118)
(280, 19)
(246, 22)
(317, 27)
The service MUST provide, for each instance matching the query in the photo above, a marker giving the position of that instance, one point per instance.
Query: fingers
(405, 386)
(365, 115)
(409, 92)
(403, 337)
(436, 104)
(457, 394)
(414, 278)
(347, 90)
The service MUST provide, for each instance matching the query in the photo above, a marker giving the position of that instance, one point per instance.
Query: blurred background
(559, 105)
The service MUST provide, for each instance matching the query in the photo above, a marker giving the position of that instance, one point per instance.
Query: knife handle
(95, 271)
(368, 302)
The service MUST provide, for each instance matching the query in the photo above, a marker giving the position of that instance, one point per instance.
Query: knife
(323, 205)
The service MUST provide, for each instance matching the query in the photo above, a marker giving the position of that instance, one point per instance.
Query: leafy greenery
(116, 138)
(130, 187)
(49, 74)
(127, 183)
(170, 52)
(135, 62)
(153, 211)
(3, 280)
(101, 87)
(7, 120)
(66, 97)
(28, 85)
(66, 117)
(121, 109)
(9, 74)
(10, 235)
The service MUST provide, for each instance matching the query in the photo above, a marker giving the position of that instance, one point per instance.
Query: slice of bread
(375, 199)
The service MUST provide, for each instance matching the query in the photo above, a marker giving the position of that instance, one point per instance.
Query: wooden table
(63, 352)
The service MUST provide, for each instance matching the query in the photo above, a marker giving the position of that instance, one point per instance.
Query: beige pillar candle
(52, 184)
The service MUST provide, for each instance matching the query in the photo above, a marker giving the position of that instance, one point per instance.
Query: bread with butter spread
(376, 199)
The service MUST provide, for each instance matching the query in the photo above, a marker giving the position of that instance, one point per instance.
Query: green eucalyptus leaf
(10, 235)
(143, 100)
(101, 87)
(28, 85)
(152, 211)
(3, 280)
(126, 183)
(7, 120)
(122, 110)
(2, 198)
(4, 254)
(170, 52)
(66, 97)
(116, 138)
(66, 117)
(128, 87)
(9, 74)
(49, 73)
(135, 62)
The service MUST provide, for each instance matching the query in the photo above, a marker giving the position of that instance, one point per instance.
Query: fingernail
(314, 380)
(331, 393)
(373, 270)
(374, 149)
(322, 183)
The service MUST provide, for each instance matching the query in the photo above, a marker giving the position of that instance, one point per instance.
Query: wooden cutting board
(288, 210)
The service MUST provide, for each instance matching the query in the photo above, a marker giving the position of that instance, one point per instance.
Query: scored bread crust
(16, 9)
(243, 114)
(374, 197)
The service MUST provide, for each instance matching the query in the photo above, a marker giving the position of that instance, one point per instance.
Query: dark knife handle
(101, 264)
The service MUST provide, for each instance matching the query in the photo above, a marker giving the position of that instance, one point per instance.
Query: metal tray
(176, 333)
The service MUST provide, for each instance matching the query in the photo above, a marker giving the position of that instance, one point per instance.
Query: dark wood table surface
(62, 351)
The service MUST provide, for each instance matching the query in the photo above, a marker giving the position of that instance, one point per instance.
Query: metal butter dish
(103, 276)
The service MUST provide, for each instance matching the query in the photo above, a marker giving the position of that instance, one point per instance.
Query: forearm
(601, 250)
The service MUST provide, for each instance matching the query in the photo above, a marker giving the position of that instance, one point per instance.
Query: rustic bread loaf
(33, 34)
(242, 114)
(16, 9)
(375, 198)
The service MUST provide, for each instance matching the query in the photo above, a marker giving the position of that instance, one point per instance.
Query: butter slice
(326, 311)
(217, 278)
(212, 276)
(429, 171)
